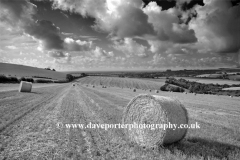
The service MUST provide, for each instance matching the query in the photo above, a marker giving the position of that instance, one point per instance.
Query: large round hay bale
(134, 90)
(25, 86)
(153, 110)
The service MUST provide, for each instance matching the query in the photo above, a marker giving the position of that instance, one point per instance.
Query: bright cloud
(131, 48)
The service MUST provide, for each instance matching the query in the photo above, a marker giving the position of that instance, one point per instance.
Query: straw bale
(154, 109)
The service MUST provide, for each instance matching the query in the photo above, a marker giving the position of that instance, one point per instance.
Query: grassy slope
(26, 71)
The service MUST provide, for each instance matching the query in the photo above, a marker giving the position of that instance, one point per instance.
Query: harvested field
(122, 82)
(30, 125)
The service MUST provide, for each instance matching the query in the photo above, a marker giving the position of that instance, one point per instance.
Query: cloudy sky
(71, 35)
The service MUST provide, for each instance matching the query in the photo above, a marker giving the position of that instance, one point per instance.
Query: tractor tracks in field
(111, 143)
(29, 133)
(36, 135)
(24, 106)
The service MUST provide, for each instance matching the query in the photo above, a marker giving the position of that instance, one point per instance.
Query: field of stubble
(28, 124)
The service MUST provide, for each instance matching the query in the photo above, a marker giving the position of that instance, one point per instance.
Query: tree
(83, 74)
(47, 68)
(69, 77)
(53, 69)
(22, 79)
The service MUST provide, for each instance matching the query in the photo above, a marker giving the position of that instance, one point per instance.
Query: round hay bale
(195, 94)
(25, 86)
(154, 109)
(150, 90)
(93, 86)
(156, 91)
(134, 90)
(73, 84)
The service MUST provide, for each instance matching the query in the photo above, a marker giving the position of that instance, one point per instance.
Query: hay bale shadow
(204, 147)
(35, 92)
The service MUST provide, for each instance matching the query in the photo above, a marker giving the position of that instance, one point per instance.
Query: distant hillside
(26, 71)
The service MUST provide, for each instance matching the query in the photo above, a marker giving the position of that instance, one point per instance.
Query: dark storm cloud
(133, 22)
(47, 32)
(18, 14)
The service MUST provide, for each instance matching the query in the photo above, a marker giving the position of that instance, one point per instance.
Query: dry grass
(34, 135)
(122, 82)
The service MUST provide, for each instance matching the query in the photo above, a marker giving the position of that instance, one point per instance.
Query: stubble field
(29, 130)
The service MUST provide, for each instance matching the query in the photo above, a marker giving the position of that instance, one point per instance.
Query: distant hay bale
(150, 90)
(134, 90)
(195, 94)
(93, 86)
(151, 110)
(73, 84)
(156, 91)
(25, 86)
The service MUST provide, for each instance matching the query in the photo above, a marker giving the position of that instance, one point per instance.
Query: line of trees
(195, 87)
(4, 79)
(70, 77)
(50, 69)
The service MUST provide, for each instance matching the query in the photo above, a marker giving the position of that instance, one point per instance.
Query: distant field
(210, 75)
(122, 82)
(232, 89)
(208, 81)
(26, 71)
(235, 77)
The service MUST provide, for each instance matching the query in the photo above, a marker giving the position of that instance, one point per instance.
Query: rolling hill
(26, 71)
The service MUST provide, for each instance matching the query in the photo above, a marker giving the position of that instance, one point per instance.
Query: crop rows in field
(35, 135)
(122, 82)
